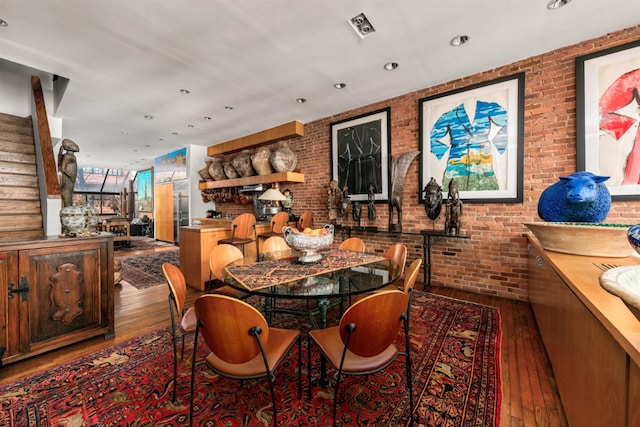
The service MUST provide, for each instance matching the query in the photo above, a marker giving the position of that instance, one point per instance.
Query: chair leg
(309, 383)
(299, 367)
(175, 363)
(335, 400)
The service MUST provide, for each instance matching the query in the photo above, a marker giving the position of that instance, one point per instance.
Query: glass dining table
(338, 276)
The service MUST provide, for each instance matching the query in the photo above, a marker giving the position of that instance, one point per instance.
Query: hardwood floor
(529, 393)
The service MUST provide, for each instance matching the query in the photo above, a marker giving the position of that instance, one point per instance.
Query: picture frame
(360, 150)
(170, 167)
(489, 170)
(607, 118)
(144, 180)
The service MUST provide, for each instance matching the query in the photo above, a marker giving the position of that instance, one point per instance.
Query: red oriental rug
(145, 271)
(455, 365)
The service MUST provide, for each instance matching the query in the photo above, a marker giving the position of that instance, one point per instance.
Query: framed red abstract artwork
(608, 114)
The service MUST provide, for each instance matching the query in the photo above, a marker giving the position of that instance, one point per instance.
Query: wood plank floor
(529, 393)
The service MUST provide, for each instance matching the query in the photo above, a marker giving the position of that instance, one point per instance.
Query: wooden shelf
(285, 131)
(252, 180)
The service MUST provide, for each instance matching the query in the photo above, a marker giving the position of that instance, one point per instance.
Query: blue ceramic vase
(633, 234)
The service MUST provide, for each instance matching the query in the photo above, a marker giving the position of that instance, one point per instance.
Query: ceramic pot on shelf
(242, 164)
(283, 159)
(204, 172)
(261, 161)
(229, 171)
(216, 168)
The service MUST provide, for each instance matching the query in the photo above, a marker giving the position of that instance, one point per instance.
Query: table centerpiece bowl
(309, 243)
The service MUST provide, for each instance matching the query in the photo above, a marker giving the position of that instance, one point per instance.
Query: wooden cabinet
(55, 292)
(588, 335)
(196, 243)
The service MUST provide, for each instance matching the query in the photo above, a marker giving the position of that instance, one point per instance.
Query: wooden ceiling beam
(268, 136)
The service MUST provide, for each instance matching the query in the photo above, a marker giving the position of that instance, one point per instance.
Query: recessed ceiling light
(3, 23)
(389, 66)
(124, 132)
(301, 100)
(190, 126)
(174, 133)
(207, 118)
(340, 85)
(228, 108)
(459, 40)
(556, 4)
(185, 91)
(148, 117)
(161, 139)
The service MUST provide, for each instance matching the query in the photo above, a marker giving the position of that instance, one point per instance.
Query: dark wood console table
(427, 236)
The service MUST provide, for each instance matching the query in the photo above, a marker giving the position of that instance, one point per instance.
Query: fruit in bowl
(309, 241)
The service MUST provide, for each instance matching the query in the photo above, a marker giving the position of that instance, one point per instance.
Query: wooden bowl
(590, 239)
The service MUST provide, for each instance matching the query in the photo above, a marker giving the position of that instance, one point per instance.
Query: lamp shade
(272, 194)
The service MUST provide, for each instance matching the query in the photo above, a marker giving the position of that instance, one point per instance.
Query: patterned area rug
(138, 243)
(455, 354)
(145, 271)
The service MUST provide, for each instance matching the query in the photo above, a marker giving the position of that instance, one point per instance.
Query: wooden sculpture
(399, 168)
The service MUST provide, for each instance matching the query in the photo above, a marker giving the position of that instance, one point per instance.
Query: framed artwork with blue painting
(608, 117)
(475, 136)
(145, 190)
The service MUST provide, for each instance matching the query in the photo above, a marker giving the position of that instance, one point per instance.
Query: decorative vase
(204, 172)
(260, 161)
(283, 159)
(242, 164)
(216, 168)
(229, 171)
(633, 235)
(72, 219)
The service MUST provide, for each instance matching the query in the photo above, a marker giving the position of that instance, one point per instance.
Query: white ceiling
(129, 58)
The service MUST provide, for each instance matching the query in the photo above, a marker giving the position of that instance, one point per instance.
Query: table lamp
(272, 195)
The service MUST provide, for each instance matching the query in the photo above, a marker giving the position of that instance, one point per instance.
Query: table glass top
(339, 273)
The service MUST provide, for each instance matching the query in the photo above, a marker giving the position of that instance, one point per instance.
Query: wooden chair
(305, 220)
(410, 277)
(278, 221)
(398, 254)
(183, 321)
(275, 244)
(363, 342)
(219, 257)
(243, 230)
(354, 244)
(242, 344)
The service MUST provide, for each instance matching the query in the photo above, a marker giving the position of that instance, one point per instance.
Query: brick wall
(494, 259)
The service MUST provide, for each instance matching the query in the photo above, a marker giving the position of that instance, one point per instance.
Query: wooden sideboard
(196, 243)
(55, 292)
(591, 337)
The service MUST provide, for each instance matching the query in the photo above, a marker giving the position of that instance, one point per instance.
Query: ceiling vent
(361, 25)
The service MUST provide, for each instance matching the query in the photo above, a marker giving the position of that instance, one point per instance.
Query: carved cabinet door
(64, 290)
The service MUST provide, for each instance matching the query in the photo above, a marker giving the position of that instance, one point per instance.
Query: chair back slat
(377, 320)
(412, 274)
(243, 226)
(225, 325)
(177, 285)
(275, 244)
(305, 220)
(221, 256)
(354, 244)
(278, 221)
